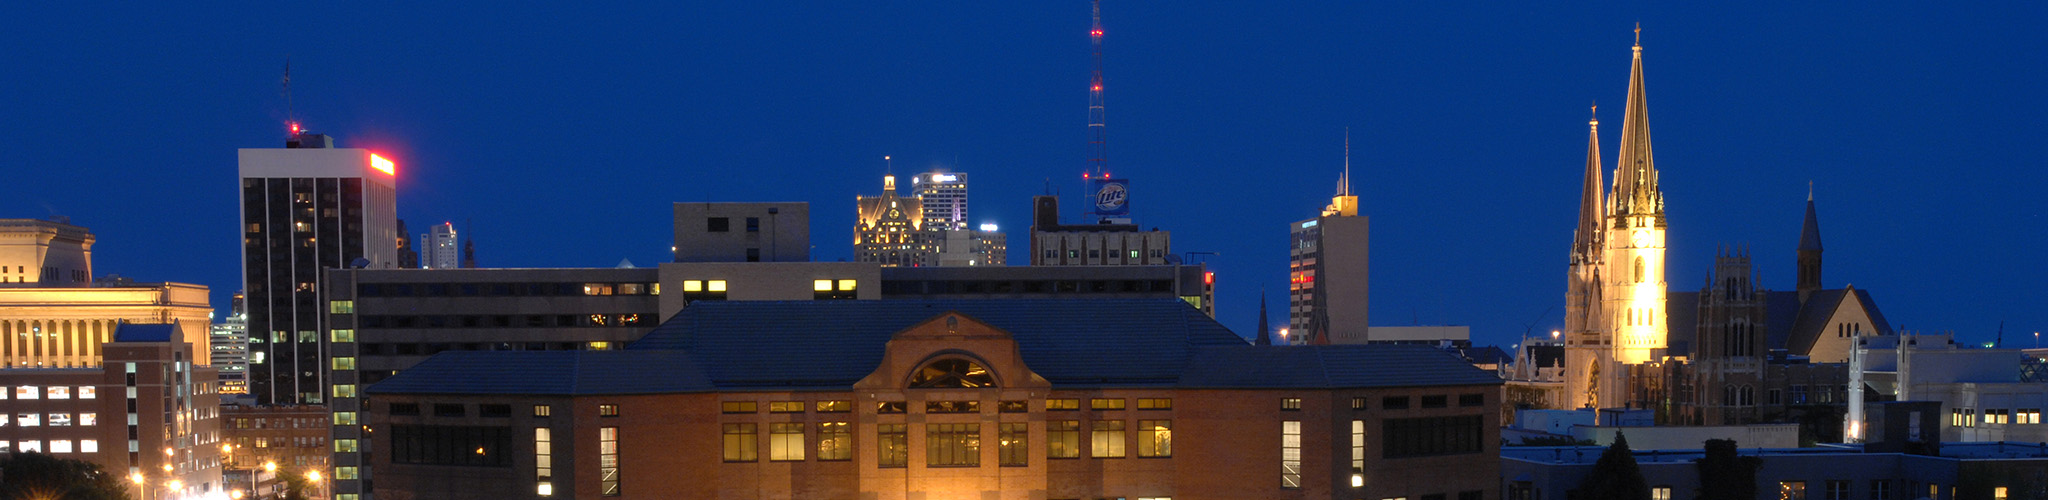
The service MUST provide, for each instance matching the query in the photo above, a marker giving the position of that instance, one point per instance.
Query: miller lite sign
(1112, 196)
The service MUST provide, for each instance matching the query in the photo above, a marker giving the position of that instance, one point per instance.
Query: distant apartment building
(292, 437)
(742, 232)
(306, 208)
(1102, 244)
(1192, 284)
(439, 247)
(1986, 394)
(980, 247)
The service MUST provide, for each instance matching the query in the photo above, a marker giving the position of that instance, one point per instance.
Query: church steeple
(1809, 250)
(1586, 243)
(1264, 337)
(1635, 177)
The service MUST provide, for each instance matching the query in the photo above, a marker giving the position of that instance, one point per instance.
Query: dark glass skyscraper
(306, 207)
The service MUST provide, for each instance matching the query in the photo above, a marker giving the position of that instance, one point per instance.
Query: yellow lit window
(846, 285)
(715, 286)
(344, 418)
(821, 285)
(342, 307)
(693, 286)
(345, 390)
(342, 335)
(345, 445)
(344, 363)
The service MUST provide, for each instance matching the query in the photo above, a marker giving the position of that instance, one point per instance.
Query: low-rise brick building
(913, 399)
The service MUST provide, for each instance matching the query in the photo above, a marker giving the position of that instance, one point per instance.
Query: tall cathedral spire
(1635, 177)
(1586, 244)
(1809, 250)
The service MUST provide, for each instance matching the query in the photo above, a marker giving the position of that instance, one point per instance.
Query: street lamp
(1553, 334)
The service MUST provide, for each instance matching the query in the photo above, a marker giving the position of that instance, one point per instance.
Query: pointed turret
(1586, 244)
(1635, 177)
(1265, 330)
(1809, 250)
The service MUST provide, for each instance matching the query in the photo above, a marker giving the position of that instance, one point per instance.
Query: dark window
(753, 255)
(753, 224)
(448, 410)
(1471, 495)
(474, 446)
(404, 409)
(1471, 399)
(494, 411)
(717, 225)
(952, 373)
(1418, 437)
(1394, 403)
(1438, 401)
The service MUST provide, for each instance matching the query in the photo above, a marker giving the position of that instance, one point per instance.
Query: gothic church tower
(1623, 326)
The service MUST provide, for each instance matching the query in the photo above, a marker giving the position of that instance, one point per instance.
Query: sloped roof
(836, 343)
(830, 345)
(549, 373)
(133, 332)
(1812, 321)
(1330, 366)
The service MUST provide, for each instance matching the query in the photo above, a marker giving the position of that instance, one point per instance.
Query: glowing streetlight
(236, 495)
(168, 452)
(136, 477)
(1553, 334)
(270, 467)
(167, 467)
(175, 485)
(227, 448)
(313, 475)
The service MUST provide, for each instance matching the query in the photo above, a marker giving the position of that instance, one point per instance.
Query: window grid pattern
(608, 461)
(1013, 441)
(952, 445)
(1290, 454)
(1155, 438)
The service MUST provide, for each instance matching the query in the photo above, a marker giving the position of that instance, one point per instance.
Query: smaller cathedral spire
(1587, 244)
(1264, 336)
(1809, 250)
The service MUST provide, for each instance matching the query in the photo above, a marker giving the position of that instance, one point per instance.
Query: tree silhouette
(1615, 476)
(39, 476)
(1726, 476)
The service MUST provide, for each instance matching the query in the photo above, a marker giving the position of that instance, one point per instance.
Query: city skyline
(1909, 120)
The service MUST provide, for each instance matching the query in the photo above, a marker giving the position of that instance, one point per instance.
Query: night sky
(558, 137)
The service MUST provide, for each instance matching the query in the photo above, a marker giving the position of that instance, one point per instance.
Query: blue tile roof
(830, 345)
(132, 332)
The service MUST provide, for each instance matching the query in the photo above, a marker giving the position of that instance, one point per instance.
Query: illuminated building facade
(1615, 313)
(1328, 275)
(897, 400)
(891, 230)
(142, 409)
(53, 315)
(305, 208)
(439, 247)
(743, 232)
(944, 198)
(44, 253)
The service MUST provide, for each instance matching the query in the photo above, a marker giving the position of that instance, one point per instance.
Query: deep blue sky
(564, 133)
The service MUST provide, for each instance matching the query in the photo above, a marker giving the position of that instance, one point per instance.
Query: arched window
(1728, 395)
(1748, 396)
(1639, 270)
(952, 373)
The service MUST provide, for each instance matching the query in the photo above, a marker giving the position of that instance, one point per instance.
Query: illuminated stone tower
(1583, 322)
(1623, 326)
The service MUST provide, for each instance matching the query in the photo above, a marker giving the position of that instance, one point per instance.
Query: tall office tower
(438, 248)
(230, 353)
(306, 207)
(891, 230)
(944, 195)
(1327, 271)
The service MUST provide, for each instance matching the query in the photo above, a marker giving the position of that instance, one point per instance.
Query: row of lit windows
(499, 321)
(53, 392)
(503, 289)
(54, 419)
(56, 446)
(947, 445)
(1096, 253)
(963, 406)
(1967, 417)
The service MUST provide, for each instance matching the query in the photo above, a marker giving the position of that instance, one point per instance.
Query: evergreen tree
(39, 476)
(1724, 475)
(1615, 476)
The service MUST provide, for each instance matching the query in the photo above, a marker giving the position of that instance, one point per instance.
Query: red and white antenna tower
(1098, 148)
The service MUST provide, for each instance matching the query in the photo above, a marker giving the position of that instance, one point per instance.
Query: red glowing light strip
(379, 163)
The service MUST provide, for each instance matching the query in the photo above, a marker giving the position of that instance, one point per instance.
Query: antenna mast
(1098, 161)
(290, 119)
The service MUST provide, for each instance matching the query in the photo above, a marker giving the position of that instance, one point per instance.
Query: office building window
(1437, 401)
(892, 445)
(1358, 403)
(543, 410)
(1063, 439)
(786, 442)
(342, 335)
(84, 446)
(738, 407)
(1416, 437)
(608, 461)
(1290, 454)
(1155, 403)
(952, 407)
(90, 392)
(1660, 493)
(444, 445)
(1881, 489)
(1062, 404)
(341, 307)
(1290, 404)
(30, 391)
(607, 410)
(837, 406)
(1791, 490)
(1836, 489)
(1107, 439)
(1155, 438)
(835, 441)
(1470, 400)
(953, 445)
(1394, 403)
(717, 225)
(344, 363)
(1012, 440)
(785, 407)
(1106, 404)
(891, 407)
(1357, 453)
(740, 443)
(60, 392)
(1016, 406)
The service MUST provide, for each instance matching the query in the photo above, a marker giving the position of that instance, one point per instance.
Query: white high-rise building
(945, 199)
(439, 248)
(230, 350)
